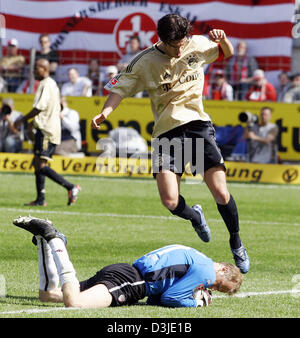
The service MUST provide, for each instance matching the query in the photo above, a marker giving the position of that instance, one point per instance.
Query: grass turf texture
(118, 220)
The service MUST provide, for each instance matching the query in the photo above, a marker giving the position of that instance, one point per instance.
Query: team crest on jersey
(192, 61)
(167, 76)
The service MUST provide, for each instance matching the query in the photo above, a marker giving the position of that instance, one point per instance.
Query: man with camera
(261, 136)
(11, 138)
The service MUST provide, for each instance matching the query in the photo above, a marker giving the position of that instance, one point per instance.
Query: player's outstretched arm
(110, 105)
(98, 296)
(219, 36)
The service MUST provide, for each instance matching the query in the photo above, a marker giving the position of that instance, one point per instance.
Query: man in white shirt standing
(77, 85)
(46, 120)
(70, 130)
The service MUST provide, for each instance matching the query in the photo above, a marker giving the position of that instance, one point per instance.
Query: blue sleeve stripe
(168, 272)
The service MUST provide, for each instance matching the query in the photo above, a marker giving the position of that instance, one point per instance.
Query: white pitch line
(240, 295)
(40, 310)
(79, 213)
(264, 293)
(150, 180)
(170, 218)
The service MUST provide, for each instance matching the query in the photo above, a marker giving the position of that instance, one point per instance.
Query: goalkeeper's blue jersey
(173, 272)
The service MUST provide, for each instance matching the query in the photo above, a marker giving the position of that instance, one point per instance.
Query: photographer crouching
(11, 139)
(261, 136)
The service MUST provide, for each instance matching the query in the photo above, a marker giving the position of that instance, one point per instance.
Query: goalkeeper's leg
(49, 290)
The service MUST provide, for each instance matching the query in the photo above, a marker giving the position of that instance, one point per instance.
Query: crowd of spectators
(240, 78)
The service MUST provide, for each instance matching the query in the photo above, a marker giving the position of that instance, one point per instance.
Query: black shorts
(124, 282)
(43, 148)
(200, 156)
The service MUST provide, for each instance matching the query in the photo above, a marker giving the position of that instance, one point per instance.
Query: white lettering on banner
(296, 28)
(138, 24)
(124, 37)
(2, 27)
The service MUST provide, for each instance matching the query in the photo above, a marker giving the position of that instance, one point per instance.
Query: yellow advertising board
(136, 113)
(98, 166)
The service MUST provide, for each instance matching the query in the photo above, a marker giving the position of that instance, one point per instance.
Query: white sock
(64, 266)
(48, 276)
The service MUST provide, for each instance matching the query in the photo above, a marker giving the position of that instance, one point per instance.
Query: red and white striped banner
(80, 30)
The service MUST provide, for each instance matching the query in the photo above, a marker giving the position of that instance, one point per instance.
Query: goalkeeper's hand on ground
(203, 297)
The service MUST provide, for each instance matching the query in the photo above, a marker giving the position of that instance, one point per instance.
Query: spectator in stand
(239, 70)
(70, 130)
(47, 53)
(11, 138)
(95, 75)
(134, 47)
(261, 89)
(262, 139)
(24, 87)
(293, 94)
(12, 66)
(220, 89)
(77, 85)
(284, 85)
(3, 85)
(111, 72)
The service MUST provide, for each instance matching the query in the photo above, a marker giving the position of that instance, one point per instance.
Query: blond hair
(233, 276)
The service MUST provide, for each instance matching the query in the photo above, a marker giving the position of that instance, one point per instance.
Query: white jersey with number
(174, 85)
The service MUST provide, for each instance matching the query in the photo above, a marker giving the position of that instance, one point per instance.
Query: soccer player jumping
(171, 71)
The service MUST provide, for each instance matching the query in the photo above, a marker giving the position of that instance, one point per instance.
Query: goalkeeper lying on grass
(173, 276)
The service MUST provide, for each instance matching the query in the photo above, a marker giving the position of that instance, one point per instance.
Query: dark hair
(44, 35)
(90, 73)
(173, 27)
(267, 107)
(135, 37)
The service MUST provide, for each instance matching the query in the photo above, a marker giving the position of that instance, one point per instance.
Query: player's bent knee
(169, 203)
(222, 196)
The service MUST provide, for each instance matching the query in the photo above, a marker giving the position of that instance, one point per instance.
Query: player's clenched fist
(217, 35)
(110, 105)
(97, 120)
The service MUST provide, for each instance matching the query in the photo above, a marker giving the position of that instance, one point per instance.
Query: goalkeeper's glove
(203, 297)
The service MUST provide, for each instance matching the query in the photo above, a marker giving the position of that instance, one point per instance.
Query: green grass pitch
(117, 220)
